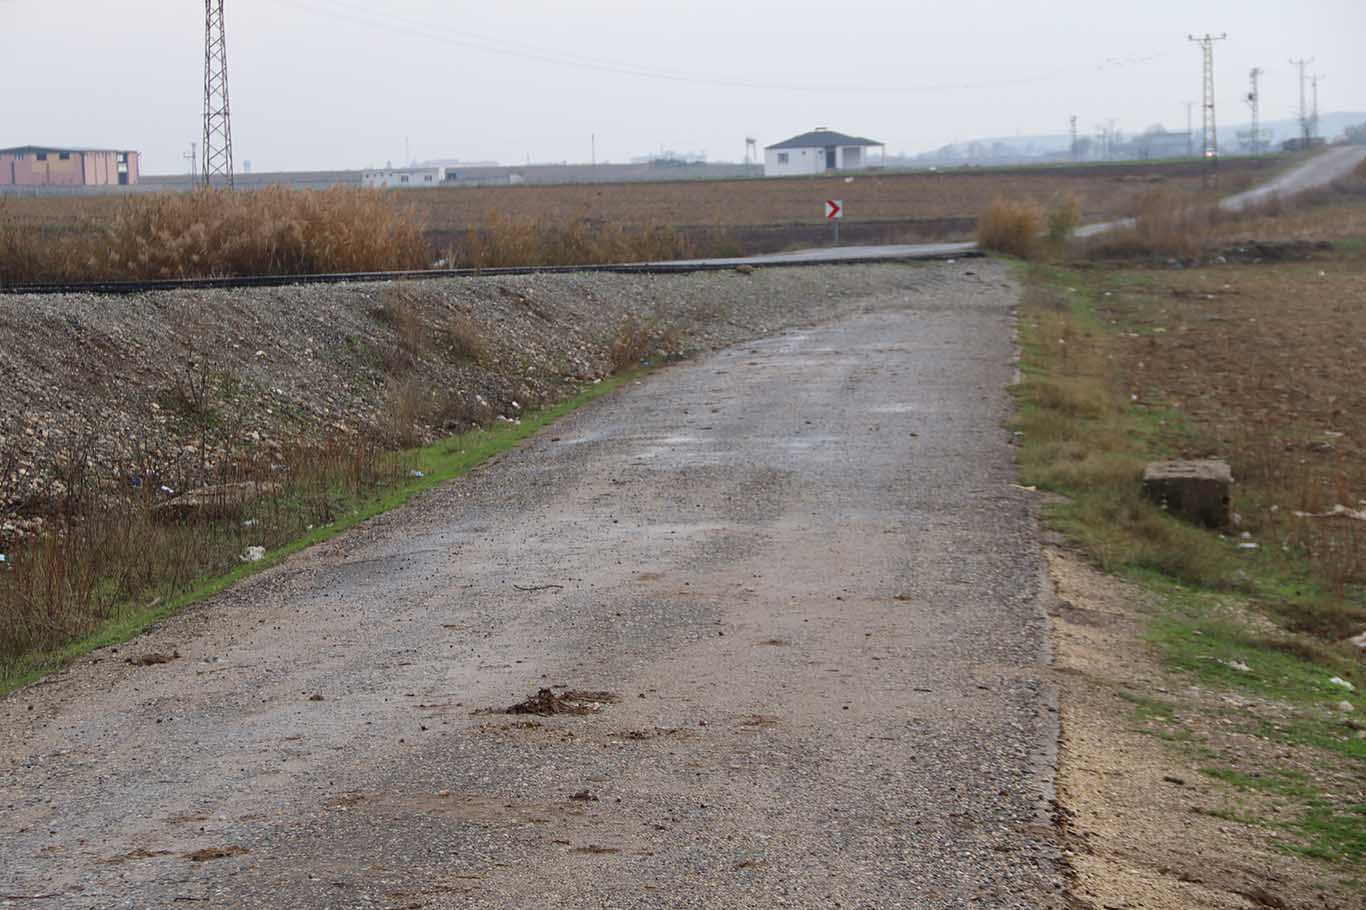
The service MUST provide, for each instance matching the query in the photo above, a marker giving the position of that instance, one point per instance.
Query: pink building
(34, 165)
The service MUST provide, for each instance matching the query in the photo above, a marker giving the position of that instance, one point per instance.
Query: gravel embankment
(121, 375)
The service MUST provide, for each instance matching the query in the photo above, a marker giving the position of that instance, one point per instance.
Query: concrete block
(1201, 492)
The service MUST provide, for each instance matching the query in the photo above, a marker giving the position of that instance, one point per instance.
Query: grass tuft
(1011, 226)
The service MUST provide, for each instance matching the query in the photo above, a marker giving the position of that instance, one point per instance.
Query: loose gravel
(112, 375)
(791, 583)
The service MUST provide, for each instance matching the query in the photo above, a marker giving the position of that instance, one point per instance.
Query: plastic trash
(1342, 684)
(418, 475)
(254, 554)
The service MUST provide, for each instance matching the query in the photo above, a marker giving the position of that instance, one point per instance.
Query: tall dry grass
(214, 233)
(109, 545)
(1165, 223)
(1011, 226)
(507, 242)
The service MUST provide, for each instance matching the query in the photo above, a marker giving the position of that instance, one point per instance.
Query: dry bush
(464, 338)
(1011, 226)
(1166, 223)
(110, 545)
(637, 341)
(503, 242)
(458, 411)
(405, 406)
(1063, 220)
(216, 233)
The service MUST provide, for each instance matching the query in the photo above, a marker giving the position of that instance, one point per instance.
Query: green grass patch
(438, 463)
(1260, 624)
(1322, 828)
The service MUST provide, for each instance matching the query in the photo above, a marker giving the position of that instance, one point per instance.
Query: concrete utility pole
(1314, 133)
(1254, 101)
(1306, 128)
(217, 113)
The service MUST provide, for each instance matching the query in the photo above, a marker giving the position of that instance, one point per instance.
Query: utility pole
(217, 113)
(1210, 144)
(1076, 143)
(192, 156)
(1254, 101)
(1190, 130)
(1306, 132)
(1314, 133)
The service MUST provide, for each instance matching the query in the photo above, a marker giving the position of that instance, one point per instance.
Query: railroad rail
(874, 255)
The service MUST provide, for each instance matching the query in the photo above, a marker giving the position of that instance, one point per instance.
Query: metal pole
(217, 113)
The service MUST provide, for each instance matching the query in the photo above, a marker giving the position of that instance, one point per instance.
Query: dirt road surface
(796, 574)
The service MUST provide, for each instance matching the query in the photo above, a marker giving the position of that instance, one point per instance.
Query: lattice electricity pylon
(1210, 150)
(217, 114)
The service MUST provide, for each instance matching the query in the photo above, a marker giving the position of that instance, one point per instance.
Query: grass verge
(1249, 623)
(429, 467)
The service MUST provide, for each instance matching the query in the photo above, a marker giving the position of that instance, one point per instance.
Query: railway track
(845, 256)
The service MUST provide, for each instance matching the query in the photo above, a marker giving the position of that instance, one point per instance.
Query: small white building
(821, 151)
(404, 178)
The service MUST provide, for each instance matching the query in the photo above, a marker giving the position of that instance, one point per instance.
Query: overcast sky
(323, 84)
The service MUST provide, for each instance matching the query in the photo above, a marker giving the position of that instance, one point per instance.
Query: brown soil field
(1269, 360)
(881, 207)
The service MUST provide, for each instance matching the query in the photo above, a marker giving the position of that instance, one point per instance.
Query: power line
(429, 31)
(217, 112)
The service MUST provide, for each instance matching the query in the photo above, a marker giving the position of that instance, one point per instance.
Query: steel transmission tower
(217, 114)
(1254, 101)
(1306, 128)
(1076, 142)
(1210, 147)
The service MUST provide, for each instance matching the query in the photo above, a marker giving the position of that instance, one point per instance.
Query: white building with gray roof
(822, 151)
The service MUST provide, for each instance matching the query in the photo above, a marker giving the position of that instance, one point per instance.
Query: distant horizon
(346, 84)
(1348, 118)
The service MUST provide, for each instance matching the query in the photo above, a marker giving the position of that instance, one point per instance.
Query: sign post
(834, 213)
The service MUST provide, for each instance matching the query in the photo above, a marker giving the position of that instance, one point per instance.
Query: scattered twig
(28, 897)
(533, 590)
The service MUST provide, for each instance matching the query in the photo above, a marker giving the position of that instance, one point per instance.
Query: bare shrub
(1166, 223)
(455, 411)
(1011, 226)
(464, 338)
(105, 548)
(502, 242)
(636, 341)
(1063, 220)
(405, 405)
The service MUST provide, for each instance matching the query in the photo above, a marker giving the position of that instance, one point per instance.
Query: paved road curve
(801, 565)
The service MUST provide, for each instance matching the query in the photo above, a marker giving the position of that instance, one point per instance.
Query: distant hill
(1057, 146)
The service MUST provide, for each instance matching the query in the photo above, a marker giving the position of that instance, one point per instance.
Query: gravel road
(798, 566)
